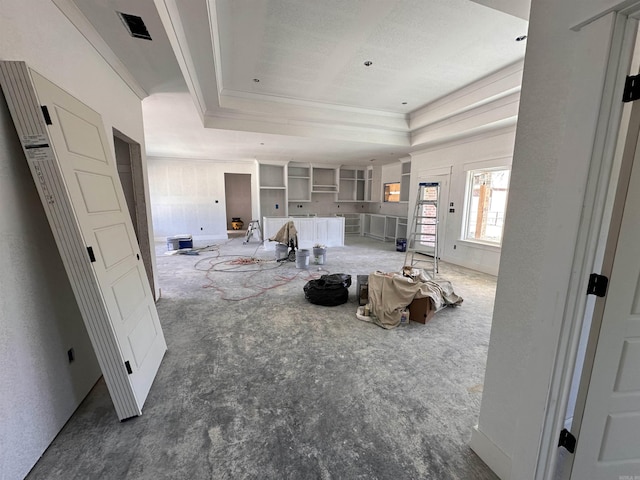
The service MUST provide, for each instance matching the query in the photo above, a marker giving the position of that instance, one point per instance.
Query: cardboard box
(421, 310)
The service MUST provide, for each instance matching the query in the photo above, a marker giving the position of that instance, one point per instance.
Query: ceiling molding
(310, 127)
(80, 21)
(212, 12)
(499, 111)
(499, 128)
(500, 84)
(170, 18)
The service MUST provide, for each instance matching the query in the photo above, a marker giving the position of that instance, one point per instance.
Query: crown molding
(70, 10)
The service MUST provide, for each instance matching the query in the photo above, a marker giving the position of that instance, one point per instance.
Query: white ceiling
(309, 57)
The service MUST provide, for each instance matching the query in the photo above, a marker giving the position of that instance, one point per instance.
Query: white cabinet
(273, 190)
(405, 181)
(299, 182)
(306, 231)
(384, 227)
(328, 231)
(352, 223)
(351, 185)
(324, 180)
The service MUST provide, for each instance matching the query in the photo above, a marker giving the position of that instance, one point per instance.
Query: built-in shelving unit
(351, 185)
(324, 180)
(405, 181)
(384, 227)
(299, 182)
(352, 222)
(369, 184)
(273, 190)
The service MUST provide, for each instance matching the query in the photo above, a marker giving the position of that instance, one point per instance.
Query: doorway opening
(237, 191)
(129, 163)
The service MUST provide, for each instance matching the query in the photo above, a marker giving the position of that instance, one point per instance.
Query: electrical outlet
(71, 355)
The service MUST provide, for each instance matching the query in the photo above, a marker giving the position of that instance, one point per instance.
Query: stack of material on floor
(288, 235)
(328, 290)
(391, 293)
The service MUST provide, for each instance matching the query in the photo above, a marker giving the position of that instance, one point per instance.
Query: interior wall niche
(237, 188)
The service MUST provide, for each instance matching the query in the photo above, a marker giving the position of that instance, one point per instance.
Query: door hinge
(45, 113)
(597, 285)
(92, 257)
(128, 367)
(567, 440)
(631, 88)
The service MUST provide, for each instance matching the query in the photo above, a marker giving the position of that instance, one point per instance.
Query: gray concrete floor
(272, 387)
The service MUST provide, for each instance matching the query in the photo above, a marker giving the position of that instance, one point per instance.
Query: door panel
(609, 439)
(76, 177)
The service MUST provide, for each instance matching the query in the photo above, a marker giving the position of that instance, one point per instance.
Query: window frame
(470, 171)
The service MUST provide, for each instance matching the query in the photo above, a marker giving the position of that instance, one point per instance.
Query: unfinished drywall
(40, 320)
(188, 196)
(552, 154)
(456, 158)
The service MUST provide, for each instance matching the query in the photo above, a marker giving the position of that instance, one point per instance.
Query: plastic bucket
(281, 251)
(319, 255)
(302, 259)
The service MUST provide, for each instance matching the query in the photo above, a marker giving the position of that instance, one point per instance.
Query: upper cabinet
(373, 188)
(405, 181)
(324, 180)
(351, 184)
(273, 189)
(299, 178)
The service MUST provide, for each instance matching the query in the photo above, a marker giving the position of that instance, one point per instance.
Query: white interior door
(77, 179)
(609, 433)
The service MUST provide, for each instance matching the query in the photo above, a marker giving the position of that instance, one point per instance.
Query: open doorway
(237, 191)
(129, 164)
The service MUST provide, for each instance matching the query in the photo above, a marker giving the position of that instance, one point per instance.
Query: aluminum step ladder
(254, 227)
(422, 241)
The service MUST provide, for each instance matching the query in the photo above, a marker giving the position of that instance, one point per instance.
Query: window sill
(491, 247)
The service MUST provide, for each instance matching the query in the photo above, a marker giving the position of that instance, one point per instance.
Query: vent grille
(135, 25)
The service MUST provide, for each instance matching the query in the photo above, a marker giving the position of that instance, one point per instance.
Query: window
(487, 192)
(392, 192)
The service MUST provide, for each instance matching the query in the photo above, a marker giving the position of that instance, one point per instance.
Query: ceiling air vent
(135, 25)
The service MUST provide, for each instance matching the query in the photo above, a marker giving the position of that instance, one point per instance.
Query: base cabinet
(328, 231)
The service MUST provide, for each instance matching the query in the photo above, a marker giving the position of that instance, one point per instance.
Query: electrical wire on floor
(251, 267)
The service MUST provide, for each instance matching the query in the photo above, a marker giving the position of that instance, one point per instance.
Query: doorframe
(140, 195)
(432, 175)
(590, 240)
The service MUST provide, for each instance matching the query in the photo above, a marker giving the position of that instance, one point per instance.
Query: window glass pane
(487, 205)
(392, 192)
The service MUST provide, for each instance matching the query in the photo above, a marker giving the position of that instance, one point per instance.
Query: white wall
(184, 193)
(554, 142)
(457, 157)
(39, 318)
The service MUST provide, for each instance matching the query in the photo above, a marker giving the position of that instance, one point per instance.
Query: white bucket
(302, 259)
(319, 255)
(281, 251)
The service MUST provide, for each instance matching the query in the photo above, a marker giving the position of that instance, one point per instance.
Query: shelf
(272, 175)
(272, 188)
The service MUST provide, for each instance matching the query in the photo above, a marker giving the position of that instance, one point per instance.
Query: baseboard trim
(491, 454)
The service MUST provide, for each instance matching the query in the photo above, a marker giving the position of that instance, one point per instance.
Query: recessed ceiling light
(521, 38)
(368, 63)
(256, 80)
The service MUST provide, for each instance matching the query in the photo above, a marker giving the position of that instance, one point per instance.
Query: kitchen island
(327, 231)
